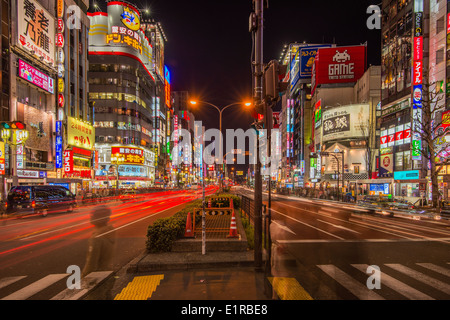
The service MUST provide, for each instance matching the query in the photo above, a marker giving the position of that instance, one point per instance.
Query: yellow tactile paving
(141, 288)
(289, 289)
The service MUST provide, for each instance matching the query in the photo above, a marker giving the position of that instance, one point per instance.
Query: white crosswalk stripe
(405, 286)
(444, 287)
(397, 285)
(10, 280)
(88, 283)
(358, 289)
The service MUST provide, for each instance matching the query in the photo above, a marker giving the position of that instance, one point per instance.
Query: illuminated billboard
(36, 30)
(36, 77)
(127, 155)
(345, 122)
(339, 65)
(119, 32)
(80, 134)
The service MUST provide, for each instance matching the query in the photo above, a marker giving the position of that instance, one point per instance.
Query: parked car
(25, 200)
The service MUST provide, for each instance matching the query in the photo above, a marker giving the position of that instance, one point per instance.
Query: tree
(428, 127)
(368, 133)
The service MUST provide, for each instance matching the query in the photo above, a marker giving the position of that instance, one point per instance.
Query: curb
(149, 262)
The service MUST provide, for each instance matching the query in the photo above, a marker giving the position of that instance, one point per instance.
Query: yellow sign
(120, 38)
(80, 134)
(60, 85)
(130, 19)
(60, 8)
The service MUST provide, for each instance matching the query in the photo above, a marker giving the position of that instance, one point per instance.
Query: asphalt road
(36, 251)
(328, 247)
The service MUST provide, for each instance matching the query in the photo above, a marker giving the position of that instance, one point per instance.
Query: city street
(325, 245)
(35, 252)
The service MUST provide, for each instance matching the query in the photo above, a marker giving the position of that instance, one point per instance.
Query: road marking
(289, 289)
(361, 240)
(306, 224)
(396, 285)
(87, 283)
(435, 268)
(338, 226)
(284, 227)
(140, 288)
(10, 280)
(359, 290)
(35, 287)
(439, 285)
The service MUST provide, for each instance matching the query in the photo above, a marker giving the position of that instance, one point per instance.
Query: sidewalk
(194, 276)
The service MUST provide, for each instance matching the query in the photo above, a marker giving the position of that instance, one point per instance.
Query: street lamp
(221, 110)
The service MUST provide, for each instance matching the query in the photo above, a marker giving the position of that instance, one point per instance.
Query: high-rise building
(130, 115)
(31, 73)
(410, 37)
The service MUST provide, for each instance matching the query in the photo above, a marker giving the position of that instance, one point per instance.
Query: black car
(24, 200)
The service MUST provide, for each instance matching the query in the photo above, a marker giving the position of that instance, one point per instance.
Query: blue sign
(406, 175)
(59, 146)
(417, 97)
(380, 187)
(307, 57)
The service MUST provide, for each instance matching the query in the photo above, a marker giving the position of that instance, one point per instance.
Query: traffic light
(274, 86)
(13, 125)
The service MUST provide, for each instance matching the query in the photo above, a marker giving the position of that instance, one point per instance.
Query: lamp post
(221, 110)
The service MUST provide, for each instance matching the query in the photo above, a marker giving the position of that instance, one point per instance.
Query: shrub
(164, 231)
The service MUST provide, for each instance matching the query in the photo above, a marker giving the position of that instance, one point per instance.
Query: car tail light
(33, 204)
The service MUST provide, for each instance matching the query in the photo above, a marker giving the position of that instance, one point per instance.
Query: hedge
(164, 231)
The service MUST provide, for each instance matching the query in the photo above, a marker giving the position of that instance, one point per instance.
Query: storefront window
(399, 161)
(409, 190)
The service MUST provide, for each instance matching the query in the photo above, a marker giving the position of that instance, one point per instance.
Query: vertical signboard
(68, 161)
(2, 158)
(417, 75)
(59, 146)
(36, 30)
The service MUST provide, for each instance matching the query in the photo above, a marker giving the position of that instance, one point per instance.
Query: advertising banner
(68, 161)
(127, 155)
(339, 65)
(80, 134)
(386, 165)
(119, 32)
(2, 158)
(307, 58)
(345, 122)
(36, 77)
(59, 146)
(36, 30)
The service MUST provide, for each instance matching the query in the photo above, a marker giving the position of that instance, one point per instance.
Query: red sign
(68, 161)
(339, 64)
(60, 100)
(60, 40)
(128, 155)
(448, 22)
(407, 134)
(417, 72)
(418, 48)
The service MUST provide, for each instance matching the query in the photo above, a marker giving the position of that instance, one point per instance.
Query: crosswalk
(415, 281)
(30, 289)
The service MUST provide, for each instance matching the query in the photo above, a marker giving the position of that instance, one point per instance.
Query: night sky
(209, 46)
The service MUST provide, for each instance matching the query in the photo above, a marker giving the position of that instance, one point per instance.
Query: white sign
(36, 30)
(345, 122)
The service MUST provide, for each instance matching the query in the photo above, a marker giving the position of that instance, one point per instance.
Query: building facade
(128, 99)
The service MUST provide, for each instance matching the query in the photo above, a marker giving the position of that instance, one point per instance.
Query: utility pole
(258, 100)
